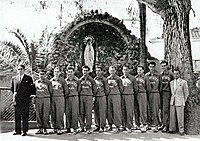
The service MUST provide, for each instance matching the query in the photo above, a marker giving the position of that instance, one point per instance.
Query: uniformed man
(88, 90)
(167, 77)
(72, 100)
(60, 91)
(114, 100)
(100, 104)
(43, 95)
(130, 90)
(144, 88)
(154, 96)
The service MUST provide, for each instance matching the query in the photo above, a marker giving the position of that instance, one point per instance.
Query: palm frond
(13, 47)
(22, 38)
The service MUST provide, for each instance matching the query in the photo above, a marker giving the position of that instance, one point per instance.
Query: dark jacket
(24, 88)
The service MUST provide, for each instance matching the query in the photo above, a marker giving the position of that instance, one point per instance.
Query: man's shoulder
(183, 80)
(27, 76)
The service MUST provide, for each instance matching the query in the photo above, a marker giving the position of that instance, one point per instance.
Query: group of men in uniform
(112, 99)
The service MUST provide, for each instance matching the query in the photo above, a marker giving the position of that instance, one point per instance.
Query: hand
(34, 106)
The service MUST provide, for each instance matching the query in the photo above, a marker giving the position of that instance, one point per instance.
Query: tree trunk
(175, 14)
(178, 53)
(143, 49)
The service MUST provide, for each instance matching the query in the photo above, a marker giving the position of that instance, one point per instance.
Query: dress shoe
(39, 131)
(17, 133)
(24, 134)
(164, 129)
(181, 133)
(171, 132)
(68, 130)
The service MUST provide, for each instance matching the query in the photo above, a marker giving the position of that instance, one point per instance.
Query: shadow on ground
(135, 135)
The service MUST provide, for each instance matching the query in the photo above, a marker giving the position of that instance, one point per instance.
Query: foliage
(116, 47)
(34, 54)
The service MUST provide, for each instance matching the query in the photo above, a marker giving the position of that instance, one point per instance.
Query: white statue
(89, 52)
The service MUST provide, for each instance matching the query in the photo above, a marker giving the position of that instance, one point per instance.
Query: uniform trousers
(114, 110)
(72, 111)
(176, 118)
(143, 105)
(136, 112)
(127, 110)
(86, 106)
(166, 108)
(42, 106)
(100, 107)
(57, 112)
(154, 105)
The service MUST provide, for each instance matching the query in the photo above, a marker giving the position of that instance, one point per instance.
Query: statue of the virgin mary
(89, 51)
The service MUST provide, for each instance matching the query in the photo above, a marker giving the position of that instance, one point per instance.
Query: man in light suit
(179, 90)
(22, 88)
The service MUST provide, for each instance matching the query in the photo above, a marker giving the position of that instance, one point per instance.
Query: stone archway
(113, 42)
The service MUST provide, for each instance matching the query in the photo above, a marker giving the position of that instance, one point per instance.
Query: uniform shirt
(43, 88)
(115, 85)
(74, 86)
(155, 81)
(102, 86)
(88, 86)
(129, 84)
(167, 76)
(144, 85)
(60, 87)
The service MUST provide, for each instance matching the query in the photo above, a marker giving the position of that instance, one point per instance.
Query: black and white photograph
(99, 70)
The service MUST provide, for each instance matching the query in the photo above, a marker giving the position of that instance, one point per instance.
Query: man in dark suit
(22, 87)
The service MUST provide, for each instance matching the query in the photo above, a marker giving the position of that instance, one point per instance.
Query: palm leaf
(23, 40)
(13, 48)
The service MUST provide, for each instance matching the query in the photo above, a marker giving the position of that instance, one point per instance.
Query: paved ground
(106, 136)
